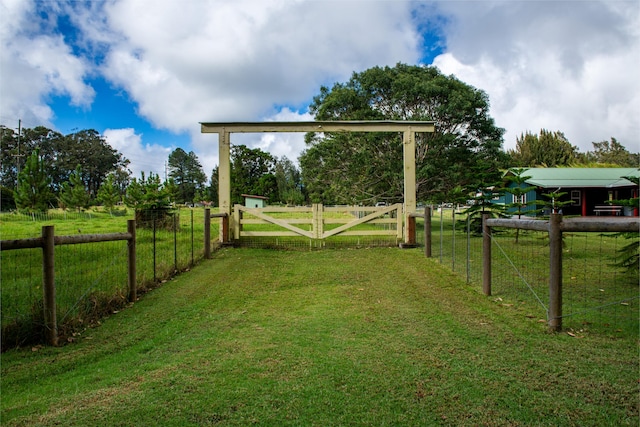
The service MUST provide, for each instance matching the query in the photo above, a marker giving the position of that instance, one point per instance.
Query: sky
(145, 73)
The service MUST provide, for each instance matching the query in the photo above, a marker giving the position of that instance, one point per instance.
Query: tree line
(43, 169)
(464, 154)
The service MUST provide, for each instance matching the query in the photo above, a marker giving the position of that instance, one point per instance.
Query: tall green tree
(108, 194)
(248, 167)
(74, 194)
(213, 187)
(151, 200)
(611, 154)
(549, 149)
(289, 182)
(187, 172)
(33, 193)
(518, 190)
(352, 167)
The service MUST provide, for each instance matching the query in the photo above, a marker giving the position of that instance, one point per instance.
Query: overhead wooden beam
(319, 126)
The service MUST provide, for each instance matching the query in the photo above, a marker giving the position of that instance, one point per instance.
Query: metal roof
(580, 177)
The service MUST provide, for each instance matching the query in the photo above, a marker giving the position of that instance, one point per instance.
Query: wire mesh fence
(597, 294)
(91, 279)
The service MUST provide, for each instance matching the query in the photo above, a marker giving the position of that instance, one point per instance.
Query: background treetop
(367, 168)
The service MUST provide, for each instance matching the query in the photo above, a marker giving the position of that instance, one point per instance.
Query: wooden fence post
(411, 231)
(555, 272)
(427, 231)
(207, 233)
(237, 220)
(486, 256)
(131, 245)
(225, 228)
(49, 285)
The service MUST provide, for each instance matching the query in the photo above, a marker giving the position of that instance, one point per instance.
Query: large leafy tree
(33, 193)
(289, 182)
(249, 170)
(347, 168)
(549, 149)
(61, 154)
(16, 148)
(187, 173)
(96, 158)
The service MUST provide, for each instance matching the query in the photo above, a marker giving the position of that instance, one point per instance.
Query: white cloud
(568, 66)
(234, 61)
(144, 157)
(36, 65)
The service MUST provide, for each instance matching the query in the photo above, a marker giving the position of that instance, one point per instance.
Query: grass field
(336, 337)
(90, 278)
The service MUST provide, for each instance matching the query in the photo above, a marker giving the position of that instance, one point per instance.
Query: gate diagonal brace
(362, 220)
(279, 222)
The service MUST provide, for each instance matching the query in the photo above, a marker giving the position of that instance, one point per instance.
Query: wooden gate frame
(316, 221)
(408, 128)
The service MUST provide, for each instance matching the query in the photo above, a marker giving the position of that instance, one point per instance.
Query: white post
(409, 151)
(224, 176)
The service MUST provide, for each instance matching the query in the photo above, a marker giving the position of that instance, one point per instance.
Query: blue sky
(144, 77)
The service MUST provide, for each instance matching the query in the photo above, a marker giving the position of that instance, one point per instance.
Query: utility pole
(17, 156)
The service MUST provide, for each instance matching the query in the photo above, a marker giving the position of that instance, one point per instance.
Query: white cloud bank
(568, 65)
(35, 65)
(144, 157)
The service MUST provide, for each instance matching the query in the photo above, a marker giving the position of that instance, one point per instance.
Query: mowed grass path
(337, 337)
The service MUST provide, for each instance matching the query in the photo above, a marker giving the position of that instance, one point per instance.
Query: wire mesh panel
(21, 280)
(454, 244)
(597, 293)
(91, 281)
(520, 270)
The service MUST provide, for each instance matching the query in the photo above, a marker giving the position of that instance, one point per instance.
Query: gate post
(411, 231)
(427, 232)
(49, 285)
(555, 272)
(486, 256)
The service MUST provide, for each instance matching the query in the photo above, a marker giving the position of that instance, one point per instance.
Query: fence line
(592, 246)
(47, 243)
(160, 254)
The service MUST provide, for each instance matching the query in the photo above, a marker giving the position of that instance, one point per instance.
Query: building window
(519, 199)
(576, 197)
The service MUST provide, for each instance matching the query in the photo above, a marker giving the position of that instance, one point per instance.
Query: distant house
(589, 189)
(251, 201)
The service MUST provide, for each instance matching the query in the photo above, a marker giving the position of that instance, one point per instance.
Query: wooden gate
(318, 221)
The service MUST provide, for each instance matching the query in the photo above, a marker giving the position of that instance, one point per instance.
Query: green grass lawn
(337, 337)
